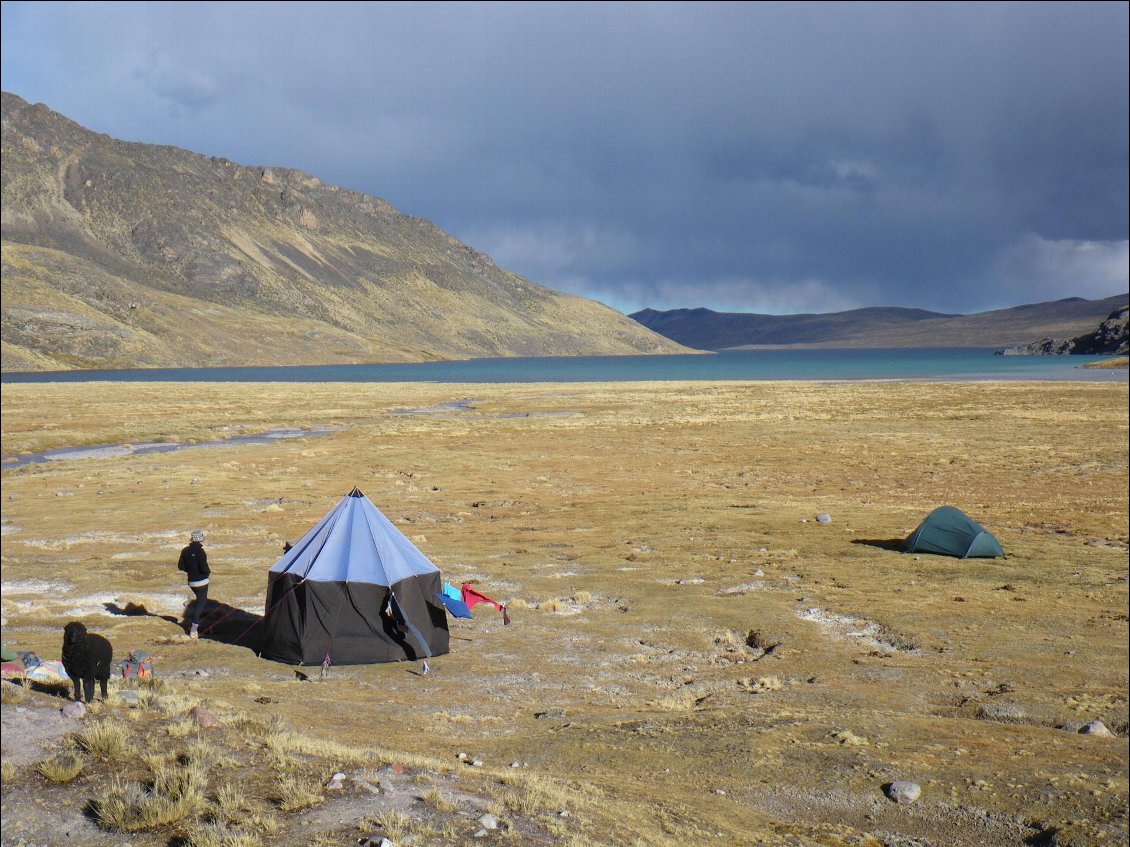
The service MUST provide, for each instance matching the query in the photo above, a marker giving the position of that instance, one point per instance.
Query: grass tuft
(107, 740)
(12, 693)
(129, 807)
(761, 685)
(282, 742)
(395, 824)
(231, 802)
(683, 700)
(220, 835)
(293, 793)
(60, 768)
(440, 801)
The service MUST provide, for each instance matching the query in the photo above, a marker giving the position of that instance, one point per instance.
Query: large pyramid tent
(354, 589)
(950, 532)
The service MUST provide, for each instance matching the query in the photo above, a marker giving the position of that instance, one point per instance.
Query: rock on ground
(904, 791)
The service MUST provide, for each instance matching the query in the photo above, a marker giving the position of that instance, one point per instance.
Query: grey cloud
(951, 156)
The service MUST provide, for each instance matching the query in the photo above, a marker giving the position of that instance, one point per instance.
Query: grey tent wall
(310, 619)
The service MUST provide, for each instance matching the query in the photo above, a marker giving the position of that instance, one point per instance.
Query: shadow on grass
(137, 610)
(219, 622)
(898, 545)
(54, 688)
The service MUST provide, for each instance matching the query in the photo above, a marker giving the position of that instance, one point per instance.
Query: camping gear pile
(137, 665)
(27, 666)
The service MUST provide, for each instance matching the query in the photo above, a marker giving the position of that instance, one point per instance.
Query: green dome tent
(950, 532)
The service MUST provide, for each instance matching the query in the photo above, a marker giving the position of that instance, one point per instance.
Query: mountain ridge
(122, 254)
(880, 326)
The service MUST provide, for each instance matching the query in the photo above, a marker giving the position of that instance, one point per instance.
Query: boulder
(904, 791)
(1096, 728)
(1110, 336)
(204, 719)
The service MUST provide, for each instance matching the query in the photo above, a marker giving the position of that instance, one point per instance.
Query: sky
(749, 157)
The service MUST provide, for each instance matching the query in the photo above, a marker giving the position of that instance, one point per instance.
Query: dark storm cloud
(756, 157)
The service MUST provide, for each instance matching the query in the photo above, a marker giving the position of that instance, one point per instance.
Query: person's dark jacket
(194, 562)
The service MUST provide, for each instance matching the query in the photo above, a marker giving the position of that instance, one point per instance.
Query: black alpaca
(86, 657)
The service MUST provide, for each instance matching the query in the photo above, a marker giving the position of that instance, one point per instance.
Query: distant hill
(704, 329)
(121, 255)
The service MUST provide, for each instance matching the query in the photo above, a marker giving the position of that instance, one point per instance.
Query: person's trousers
(201, 598)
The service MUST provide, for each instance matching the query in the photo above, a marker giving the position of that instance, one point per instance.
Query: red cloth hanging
(471, 598)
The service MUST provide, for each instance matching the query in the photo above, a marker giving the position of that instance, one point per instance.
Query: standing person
(194, 562)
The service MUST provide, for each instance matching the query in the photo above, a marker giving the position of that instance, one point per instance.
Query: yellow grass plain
(693, 658)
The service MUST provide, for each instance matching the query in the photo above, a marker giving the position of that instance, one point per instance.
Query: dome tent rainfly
(950, 532)
(353, 590)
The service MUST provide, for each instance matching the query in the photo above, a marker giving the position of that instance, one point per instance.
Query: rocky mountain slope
(1111, 336)
(120, 254)
(880, 327)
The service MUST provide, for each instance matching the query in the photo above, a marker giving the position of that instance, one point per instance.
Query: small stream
(108, 451)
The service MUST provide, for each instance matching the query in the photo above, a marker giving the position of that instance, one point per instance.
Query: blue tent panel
(354, 543)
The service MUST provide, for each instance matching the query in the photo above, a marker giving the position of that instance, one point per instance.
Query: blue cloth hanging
(452, 592)
(457, 607)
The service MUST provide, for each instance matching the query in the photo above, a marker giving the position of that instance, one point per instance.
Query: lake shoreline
(762, 364)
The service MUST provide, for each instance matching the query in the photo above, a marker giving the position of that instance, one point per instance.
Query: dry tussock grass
(221, 835)
(179, 778)
(107, 739)
(683, 700)
(395, 824)
(182, 727)
(60, 768)
(439, 801)
(282, 743)
(12, 693)
(294, 792)
(761, 685)
(231, 802)
(536, 794)
(130, 807)
(555, 605)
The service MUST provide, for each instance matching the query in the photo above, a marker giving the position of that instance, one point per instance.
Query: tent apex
(356, 492)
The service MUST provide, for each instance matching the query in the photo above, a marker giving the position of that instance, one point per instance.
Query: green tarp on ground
(950, 532)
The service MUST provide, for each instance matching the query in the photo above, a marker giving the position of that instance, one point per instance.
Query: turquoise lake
(765, 364)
